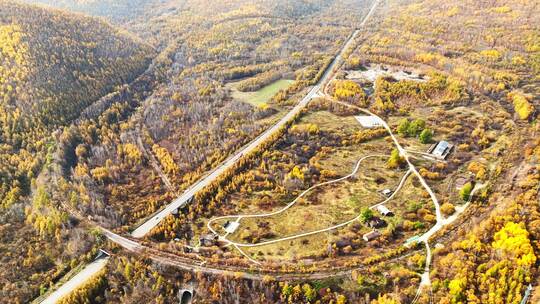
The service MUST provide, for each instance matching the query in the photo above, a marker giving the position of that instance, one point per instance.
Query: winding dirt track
(253, 274)
(186, 197)
(292, 203)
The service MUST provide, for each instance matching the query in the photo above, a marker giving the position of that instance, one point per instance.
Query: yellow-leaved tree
(522, 105)
(513, 242)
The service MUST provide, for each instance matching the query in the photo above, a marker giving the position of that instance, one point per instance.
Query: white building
(369, 121)
(387, 192)
(230, 227)
(441, 150)
(384, 211)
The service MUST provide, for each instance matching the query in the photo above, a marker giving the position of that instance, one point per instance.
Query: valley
(349, 151)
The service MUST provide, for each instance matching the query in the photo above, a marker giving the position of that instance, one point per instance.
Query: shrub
(426, 135)
(403, 127)
(448, 208)
(465, 191)
(395, 160)
(407, 128)
(366, 214)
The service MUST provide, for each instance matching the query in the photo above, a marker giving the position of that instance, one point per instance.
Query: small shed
(441, 150)
(384, 210)
(208, 240)
(371, 235)
(387, 192)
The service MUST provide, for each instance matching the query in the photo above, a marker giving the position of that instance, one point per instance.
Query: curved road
(402, 152)
(292, 203)
(185, 198)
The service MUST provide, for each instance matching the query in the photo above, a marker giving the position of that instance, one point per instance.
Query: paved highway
(77, 281)
(184, 198)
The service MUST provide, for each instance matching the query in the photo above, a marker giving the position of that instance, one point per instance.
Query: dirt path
(238, 217)
(186, 197)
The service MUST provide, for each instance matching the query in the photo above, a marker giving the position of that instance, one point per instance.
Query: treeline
(239, 72)
(261, 80)
(391, 95)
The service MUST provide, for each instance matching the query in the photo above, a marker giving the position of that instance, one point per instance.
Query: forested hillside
(114, 9)
(492, 46)
(52, 66)
(192, 122)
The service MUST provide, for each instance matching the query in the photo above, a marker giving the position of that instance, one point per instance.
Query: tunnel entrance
(186, 297)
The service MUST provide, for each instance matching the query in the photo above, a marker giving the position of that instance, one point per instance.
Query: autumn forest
(302, 151)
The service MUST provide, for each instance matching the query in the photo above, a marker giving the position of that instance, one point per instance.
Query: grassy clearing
(330, 122)
(333, 204)
(298, 249)
(261, 97)
(410, 208)
(341, 161)
(325, 206)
